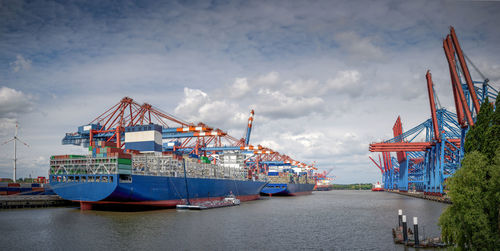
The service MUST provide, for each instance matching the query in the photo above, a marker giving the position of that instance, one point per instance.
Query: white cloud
(196, 106)
(303, 87)
(277, 105)
(14, 102)
(239, 88)
(307, 140)
(190, 105)
(358, 47)
(269, 78)
(346, 82)
(20, 64)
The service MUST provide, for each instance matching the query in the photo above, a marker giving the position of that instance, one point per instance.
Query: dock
(32, 201)
(397, 235)
(421, 195)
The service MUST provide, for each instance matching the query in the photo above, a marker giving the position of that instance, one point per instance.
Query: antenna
(15, 139)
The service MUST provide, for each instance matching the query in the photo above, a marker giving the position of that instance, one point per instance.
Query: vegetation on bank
(472, 221)
(362, 186)
(21, 180)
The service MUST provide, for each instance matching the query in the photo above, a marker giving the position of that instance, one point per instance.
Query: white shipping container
(144, 136)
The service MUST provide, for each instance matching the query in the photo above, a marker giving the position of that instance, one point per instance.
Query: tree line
(472, 221)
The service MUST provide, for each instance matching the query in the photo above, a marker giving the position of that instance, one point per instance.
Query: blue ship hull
(160, 191)
(283, 189)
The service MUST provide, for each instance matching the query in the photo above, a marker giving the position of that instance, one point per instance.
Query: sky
(325, 78)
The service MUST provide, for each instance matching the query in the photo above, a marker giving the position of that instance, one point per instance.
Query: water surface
(332, 220)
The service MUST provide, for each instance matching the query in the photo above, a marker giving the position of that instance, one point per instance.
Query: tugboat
(377, 187)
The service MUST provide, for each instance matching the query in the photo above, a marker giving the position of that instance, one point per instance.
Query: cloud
(239, 88)
(303, 87)
(307, 140)
(20, 64)
(13, 102)
(347, 82)
(269, 78)
(193, 100)
(358, 47)
(276, 105)
(197, 106)
(323, 68)
(6, 126)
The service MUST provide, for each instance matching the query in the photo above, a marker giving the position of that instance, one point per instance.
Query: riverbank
(360, 186)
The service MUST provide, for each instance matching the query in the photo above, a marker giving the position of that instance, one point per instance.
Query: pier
(32, 201)
(421, 195)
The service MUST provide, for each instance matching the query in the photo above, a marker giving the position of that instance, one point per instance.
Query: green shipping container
(76, 156)
(125, 161)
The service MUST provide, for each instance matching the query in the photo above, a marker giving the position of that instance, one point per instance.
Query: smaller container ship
(323, 185)
(288, 182)
(377, 187)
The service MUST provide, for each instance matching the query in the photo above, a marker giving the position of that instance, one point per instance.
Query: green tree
(493, 133)
(472, 221)
(475, 139)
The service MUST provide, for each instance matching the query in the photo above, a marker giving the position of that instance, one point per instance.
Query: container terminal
(419, 160)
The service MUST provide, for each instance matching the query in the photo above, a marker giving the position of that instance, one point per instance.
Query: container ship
(141, 174)
(288, 182)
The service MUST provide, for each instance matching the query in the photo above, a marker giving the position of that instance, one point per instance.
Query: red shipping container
(115, 150)
(111, 144)
(3, 192)
(14, 185)
(12, 192)
(124, 156)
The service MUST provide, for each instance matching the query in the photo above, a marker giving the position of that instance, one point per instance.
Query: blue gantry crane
(425, 165)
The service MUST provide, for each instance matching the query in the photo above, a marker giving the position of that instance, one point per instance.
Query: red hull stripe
(301, 193)
(87, 205)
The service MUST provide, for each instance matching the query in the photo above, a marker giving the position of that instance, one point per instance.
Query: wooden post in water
(415, 231)
(400, 215)
(405, 231)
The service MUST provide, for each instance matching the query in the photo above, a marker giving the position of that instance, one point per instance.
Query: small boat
(232, 199)
(228, 201)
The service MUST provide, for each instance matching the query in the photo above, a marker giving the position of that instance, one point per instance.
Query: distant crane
(15, 139)
(249, 128)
